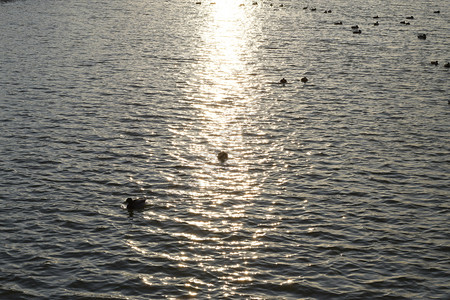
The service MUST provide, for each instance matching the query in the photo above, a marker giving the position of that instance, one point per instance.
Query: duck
(410, 18)
(435, 63)
(304, 79)
(222, 156)
(355, 27)
(447, 65)
(283, 81)
(437, 11)
(422, 36)
(376, 17)
(135, 204)
(338, 23)
(376, 23)
(357, 31)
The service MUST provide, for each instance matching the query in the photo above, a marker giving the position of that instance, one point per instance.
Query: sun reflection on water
(213, 231)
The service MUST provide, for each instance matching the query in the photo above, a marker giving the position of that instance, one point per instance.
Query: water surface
(334, 189)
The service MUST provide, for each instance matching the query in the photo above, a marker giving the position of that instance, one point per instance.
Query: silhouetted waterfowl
(255, 3)
(435, 63)
(304, 80)
(338, 23)
(222, 156)
(376, 23)
(135, 204)
(313, 9)
(447, 65)
(198, 3)
(306, 7)
(437, 11)
(410, 18)
(355, 27)
(422, 36)
(357, 31)
(376, 17)
(283, 81)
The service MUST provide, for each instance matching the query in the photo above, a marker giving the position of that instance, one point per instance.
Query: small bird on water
(222, 156)
(135, 204)
(283, 81)
(304, 80)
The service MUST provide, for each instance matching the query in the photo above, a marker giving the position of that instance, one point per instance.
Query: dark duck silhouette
(135, 204)
(283, 81)
(222, 156)
(304, 80)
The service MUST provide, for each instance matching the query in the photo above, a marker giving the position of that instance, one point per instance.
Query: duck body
(283, 81)
(135, 204)
(222, 156)
(304, 80)
(422, 36)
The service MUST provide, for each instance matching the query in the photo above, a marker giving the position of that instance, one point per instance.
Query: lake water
(337, 188)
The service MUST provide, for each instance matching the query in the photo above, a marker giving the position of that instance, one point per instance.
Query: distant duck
(338, 23)
(376, 17)
(304, 80)
(135, 204)
(376, 23)
(222, 156)
(422, 36)
(437, 11)
(255, 3)
(357, 31)
(313, 9)
(447, 65)
(435, 63)
(283, 81)
(306, 7)
(410, 18)
(355, 27)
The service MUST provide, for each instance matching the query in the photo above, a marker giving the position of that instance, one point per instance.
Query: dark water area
(337, 188)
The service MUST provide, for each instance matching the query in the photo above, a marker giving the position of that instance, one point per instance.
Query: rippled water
(334, 189)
